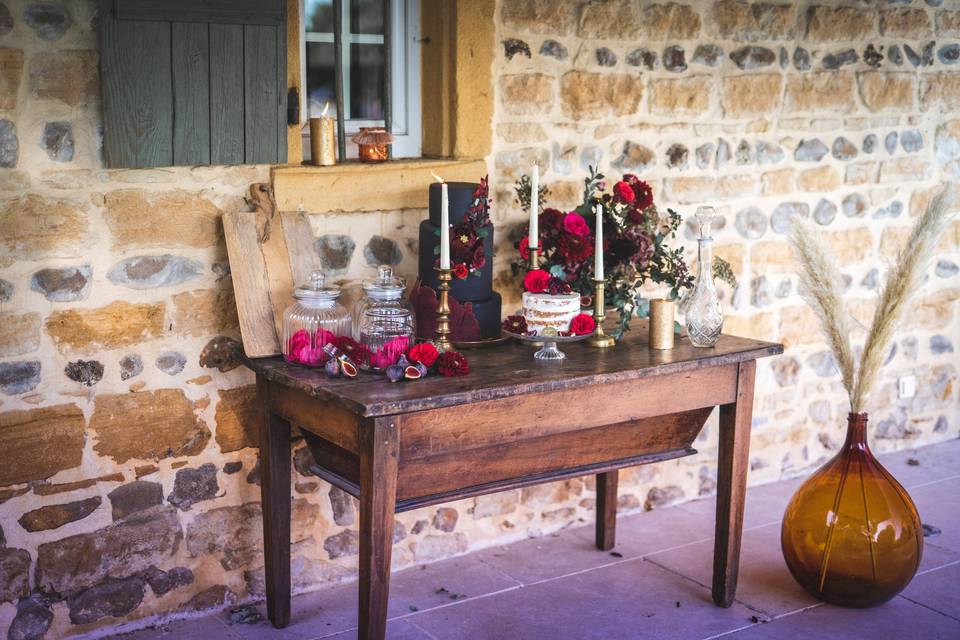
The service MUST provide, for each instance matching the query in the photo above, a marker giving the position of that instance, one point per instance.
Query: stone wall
(129, 485)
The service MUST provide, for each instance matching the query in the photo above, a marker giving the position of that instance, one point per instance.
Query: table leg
(733, 463)
(275, 503)
(378, 493)
(606, 533)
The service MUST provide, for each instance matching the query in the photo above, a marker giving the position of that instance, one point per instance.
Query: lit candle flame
(436, 177)
(326, 106)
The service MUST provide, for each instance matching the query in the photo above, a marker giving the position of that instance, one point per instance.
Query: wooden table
(513, 422)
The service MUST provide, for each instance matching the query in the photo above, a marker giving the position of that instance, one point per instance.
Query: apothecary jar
(383, 319)
(315, 319)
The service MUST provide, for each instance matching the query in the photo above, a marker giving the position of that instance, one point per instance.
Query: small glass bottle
(704, 315)
(314, 320)
(384, 321)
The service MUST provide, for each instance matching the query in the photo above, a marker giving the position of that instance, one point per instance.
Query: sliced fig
(348, 368)
(423, 369)
(411, 372)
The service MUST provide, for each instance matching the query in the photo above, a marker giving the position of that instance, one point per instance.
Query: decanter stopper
(705, 216)
(385, 273)
(317, 279)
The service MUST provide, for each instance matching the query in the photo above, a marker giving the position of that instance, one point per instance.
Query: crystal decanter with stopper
(704, 314)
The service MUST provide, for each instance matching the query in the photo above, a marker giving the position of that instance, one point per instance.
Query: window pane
(320, 78)
(366, 81)
(366, 16)
(318, 16)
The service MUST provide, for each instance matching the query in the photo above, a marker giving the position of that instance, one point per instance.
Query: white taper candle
(533, 236)
(444, 227)
(598, 248)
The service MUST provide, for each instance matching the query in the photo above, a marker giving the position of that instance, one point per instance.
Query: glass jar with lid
(315, 319)
(384, 320)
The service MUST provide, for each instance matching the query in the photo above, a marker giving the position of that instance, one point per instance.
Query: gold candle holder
(661, 324)
(534, 258)
(323, 142)
(443, 310)
(599, 339)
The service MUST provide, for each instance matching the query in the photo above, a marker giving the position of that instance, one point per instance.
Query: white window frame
(405, 77)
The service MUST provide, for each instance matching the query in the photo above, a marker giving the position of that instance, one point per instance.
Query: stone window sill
(356, 187)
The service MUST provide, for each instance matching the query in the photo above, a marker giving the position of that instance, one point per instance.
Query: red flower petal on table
(536, 281)
(424, 353)
(582, 324)
(452, 363)
(515, 324)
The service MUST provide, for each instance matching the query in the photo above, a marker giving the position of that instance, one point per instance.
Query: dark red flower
(643, 193)
(424, 353)
(479, 257)
(575, 224)
(575, 249)
(358, 352)
(536, 281)
(460, 271)
(525, 247)
(462, 237)
(624, 192)
(551, 219)
(452, 363)
(515, 324)
(636, 216)
(582, 324)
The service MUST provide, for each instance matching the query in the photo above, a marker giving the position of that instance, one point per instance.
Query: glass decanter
(704, 315)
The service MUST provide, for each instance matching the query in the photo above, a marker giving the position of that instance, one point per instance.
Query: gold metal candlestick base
(599, 339)
(443, 310)
(534, 261)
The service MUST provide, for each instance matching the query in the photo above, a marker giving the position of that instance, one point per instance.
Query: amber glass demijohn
(851, 535)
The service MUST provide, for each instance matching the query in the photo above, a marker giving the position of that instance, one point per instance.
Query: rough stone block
(751, 95)
(14, 574)
(205, 312)
(830, 91)
(527, 93)
(71, 77)
(56, 515)
(239, 417)
(882, 91)
(19, 333)
(148, 272)
(10, 153)
(588, 95)
(612, 20)
(236, 532)
(18, 377)
(134, 497)
(819, 180)
(670, 21)
(138, 218)
(194, 485)
(116, 325)
(905, 22)
(904, 169)
(48, 20)
(11, 70)
(35, 227)
(948, 23)
(166, 426)
(539, 16)
(751, 22)
(38, 443)
(62, 284)
(680, 96)
(828, 23)
(776, 183)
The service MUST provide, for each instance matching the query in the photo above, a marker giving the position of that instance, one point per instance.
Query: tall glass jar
(384, 320)
(704, 315)
(315, 319)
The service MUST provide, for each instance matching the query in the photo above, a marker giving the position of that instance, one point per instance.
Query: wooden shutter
(190, 82)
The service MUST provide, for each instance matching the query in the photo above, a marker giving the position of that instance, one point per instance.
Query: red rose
(525, 248)
(624, 192)
(452, 363)
(424, 353)
(575, 224)
(582, 324)
(551, 219)
(460, 270)
(536, 281)
(643, 193)
(575, 249)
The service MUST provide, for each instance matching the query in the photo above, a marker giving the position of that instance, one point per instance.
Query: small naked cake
(546, 311)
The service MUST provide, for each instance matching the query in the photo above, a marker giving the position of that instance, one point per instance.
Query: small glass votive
(373, 144)
(661, 324)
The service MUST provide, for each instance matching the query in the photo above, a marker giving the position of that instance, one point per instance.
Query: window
(363, 59)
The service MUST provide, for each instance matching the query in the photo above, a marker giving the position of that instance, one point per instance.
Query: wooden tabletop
(509, 370)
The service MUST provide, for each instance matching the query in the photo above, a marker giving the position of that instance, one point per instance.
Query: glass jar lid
(316, 289)
(385, 286)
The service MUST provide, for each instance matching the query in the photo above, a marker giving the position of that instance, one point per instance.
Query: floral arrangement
(636, 246)
(582, 324)
(342, 355)
(467, 253)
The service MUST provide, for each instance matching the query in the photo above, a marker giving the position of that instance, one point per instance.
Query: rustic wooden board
(191, 93)
(260, 269)
(260, 93)
(226, 92)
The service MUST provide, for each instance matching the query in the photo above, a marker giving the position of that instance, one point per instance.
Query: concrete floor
(656, 586)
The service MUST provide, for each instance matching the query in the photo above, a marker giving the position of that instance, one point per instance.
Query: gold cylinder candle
(661, 324)
(323, 142)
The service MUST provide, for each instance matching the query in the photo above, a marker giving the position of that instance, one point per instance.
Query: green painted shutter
(193, 82)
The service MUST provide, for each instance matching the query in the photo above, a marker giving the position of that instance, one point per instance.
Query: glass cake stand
(549, 351)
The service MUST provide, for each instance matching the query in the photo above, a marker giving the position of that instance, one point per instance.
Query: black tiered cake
(471, 240)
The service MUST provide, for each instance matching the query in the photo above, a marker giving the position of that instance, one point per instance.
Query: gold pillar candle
(661, 324)
(323, 142)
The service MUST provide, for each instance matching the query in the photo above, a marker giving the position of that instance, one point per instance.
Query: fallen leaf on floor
(414, 608)
(930, 530)
(913, 462)
(616, 554)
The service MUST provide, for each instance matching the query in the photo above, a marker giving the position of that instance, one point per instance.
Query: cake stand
(549, 351)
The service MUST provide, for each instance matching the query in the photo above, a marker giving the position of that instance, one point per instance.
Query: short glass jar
(315, 319)
(384, 320)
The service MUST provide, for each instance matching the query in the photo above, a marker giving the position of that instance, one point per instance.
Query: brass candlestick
(599, 339)
(534, 261)
(443, 310)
